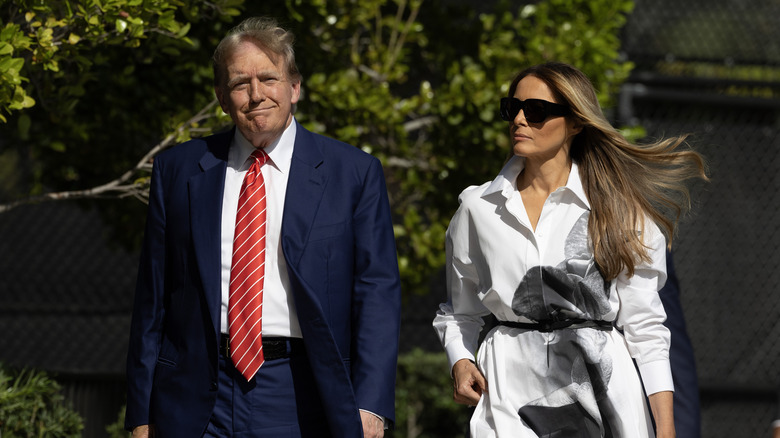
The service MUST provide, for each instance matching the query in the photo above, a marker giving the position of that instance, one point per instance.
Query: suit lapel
(305, 188)
(205, 193)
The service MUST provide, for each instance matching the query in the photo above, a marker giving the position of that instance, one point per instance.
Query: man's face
(257, 93)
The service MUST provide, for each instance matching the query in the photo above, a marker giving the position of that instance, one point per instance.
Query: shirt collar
(574, 184)
(506, 181)
(279, 151)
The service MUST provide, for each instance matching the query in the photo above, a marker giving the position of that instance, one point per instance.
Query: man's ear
(296, 92)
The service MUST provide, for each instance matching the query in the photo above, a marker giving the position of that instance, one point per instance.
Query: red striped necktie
(245, 313)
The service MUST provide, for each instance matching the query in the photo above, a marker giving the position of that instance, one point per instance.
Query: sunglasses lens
(509, 108)
(534, 111)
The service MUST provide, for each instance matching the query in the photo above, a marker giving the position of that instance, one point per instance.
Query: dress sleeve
(641, 314)
(458, 321)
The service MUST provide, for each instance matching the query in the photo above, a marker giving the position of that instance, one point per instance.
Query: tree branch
(124, 186)
(131, 184)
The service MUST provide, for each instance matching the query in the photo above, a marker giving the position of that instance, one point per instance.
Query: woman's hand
(663, 413)
(469, 383)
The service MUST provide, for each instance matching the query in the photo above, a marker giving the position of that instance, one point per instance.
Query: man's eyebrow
(235, 79)
(268, 74)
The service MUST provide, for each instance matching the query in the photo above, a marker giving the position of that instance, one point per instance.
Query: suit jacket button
(213, 386)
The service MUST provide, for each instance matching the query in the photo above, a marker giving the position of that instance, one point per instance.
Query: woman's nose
(520, 118)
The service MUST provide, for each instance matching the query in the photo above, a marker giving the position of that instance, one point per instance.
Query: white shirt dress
(574, 382)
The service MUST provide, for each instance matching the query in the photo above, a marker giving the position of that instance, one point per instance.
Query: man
(687, 415)
(294, 333)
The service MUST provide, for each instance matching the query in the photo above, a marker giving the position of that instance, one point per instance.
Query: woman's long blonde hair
(624, 182)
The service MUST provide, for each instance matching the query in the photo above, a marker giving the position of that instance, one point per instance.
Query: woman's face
(547, 139)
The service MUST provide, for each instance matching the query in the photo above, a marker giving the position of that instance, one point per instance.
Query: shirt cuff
(656, 376)
(776, 424)
(384, 420)
(455, 353)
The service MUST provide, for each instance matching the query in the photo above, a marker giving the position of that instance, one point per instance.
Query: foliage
(31, 406)
(44, 41)
(423, 402)
(389, 76)
(421, 93)
(117, 428)
(110, 97)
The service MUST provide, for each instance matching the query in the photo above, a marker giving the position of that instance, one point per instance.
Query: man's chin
(258, 136)
(254, 126)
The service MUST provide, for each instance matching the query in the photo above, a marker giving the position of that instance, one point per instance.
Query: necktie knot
(260, 156)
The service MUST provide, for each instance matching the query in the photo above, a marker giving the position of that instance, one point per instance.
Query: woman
(564, 249)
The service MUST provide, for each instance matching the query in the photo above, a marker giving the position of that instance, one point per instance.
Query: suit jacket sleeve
(376, 298)
(147, 309)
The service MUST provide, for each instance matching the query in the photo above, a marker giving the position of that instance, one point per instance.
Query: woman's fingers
(469, 383)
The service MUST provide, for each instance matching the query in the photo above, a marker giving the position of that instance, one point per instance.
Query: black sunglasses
(535, 110)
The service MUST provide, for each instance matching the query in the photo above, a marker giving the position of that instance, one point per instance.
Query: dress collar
(506, 181)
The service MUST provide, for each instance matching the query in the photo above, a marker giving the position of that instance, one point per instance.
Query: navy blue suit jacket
(687, 417)
(338, 242)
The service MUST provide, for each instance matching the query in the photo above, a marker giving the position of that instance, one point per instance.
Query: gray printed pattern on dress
(578, 371)
(573, 289)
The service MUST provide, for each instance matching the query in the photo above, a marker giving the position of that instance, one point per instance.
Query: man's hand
(144, 431)
(469, 383)
(373, 426)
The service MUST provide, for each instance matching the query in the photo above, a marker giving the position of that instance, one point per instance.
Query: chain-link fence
(711, 69)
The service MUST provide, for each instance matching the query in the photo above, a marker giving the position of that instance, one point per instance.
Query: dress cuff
(656, 376)
(456, 354)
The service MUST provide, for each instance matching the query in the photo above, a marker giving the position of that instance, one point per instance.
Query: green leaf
(121, 25)
(183, 31)
(16, 64)
(5, 64)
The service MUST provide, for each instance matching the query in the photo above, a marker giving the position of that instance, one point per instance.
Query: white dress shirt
(492, 247)
(279, 315)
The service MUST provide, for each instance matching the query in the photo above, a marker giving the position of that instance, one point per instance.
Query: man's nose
(256, 93)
